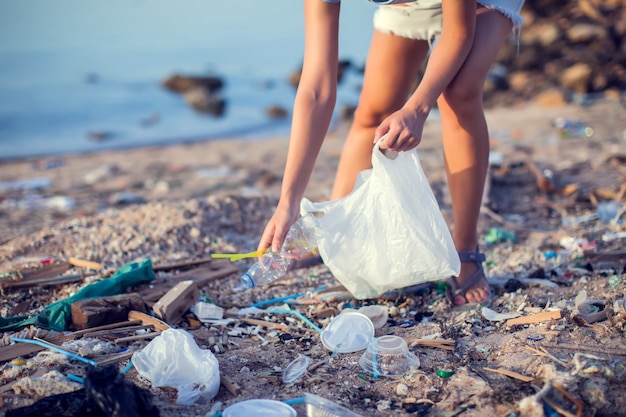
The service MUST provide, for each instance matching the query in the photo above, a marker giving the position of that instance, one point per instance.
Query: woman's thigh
(392, 66)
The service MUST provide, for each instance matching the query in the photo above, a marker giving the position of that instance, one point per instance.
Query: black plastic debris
(106, 394)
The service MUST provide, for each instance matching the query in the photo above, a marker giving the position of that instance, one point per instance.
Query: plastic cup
(388, 356)
(348, 332)
(259, 408)
(296, 369)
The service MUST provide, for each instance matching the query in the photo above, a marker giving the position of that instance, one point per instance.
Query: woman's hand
(278, 226)
(402, 130)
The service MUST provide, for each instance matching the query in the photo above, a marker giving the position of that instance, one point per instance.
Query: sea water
(72, 71)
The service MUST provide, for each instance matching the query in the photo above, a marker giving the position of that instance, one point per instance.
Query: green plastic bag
(58, 315)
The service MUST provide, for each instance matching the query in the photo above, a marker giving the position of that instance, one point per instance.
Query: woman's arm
(404, 127)
(312, 111)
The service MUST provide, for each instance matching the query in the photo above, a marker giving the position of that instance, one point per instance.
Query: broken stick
(535, 318)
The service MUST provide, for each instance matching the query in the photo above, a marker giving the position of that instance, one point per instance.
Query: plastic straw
(285, 298)
(56, 349)
(238, 256)
(298, 314)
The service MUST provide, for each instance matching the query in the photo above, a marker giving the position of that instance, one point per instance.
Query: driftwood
(94, 312)
(212, 271)
(176, 301)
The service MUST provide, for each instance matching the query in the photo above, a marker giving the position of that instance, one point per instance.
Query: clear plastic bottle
(300, 241)
(301, 238)
(269, 268)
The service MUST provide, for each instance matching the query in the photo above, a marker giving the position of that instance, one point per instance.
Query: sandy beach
(184, 202)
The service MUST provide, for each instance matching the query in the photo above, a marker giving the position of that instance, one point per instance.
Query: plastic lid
(247, 281)
(259, 408)
(350, 331)
(296, 369)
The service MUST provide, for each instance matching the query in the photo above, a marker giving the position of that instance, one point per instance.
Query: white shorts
(422, 19)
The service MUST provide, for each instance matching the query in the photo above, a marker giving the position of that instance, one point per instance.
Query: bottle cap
(247, 281)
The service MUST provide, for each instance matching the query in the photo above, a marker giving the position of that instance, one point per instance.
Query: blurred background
(83, 75)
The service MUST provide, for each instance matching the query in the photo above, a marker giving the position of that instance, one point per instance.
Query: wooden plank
(146, 319)
(614, 256)
(201, 275)
(43, 282)
(263, 323)
(184, 264)
(85, 264)
(176, 301)
(231, 386)
(511, 374)
(137, 337)
(93, 312)
(445, 344)
(119, 330)
(535, 318)
(114, 358)
(23, 349)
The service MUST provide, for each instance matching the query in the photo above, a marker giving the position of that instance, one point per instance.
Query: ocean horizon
(72, 70)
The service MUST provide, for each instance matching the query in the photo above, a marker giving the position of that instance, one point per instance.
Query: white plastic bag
(173, 359)
(388, 233)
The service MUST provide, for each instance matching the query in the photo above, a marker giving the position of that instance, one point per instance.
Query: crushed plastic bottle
(572, 128)
(300, 241)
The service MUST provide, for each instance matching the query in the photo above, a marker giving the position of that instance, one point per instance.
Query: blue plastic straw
(285, 298)
(56, 349)
(298, 314)
(277, 300)
(75, 378)
(127, 368)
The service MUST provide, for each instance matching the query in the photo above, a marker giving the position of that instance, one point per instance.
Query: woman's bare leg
(466, 140)
(392, 66)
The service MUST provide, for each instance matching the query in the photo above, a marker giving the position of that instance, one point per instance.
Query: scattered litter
(259, 408)
(444, 373)
(348, 332)
(388, 356)
(492, 315)
(321, 407)
(173, 359)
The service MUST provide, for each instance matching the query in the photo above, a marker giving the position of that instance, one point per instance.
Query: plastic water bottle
(300, 241)
(301, 238)
(269, 268)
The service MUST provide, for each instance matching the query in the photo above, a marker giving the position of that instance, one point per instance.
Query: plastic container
(300, 241)
(388, 356)
(350, 331)
(259, 408)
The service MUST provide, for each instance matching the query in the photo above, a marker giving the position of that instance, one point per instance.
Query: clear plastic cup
(348, 332)
(259, 408)
(296, 369)
(388, 356)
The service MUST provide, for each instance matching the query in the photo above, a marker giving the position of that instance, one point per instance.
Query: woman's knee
(463, 95)
(367, 116)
